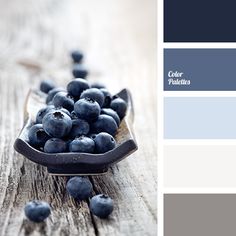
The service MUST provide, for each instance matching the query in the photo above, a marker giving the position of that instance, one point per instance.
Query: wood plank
(119, 41)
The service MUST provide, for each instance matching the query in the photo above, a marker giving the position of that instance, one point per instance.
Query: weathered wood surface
(119, 40)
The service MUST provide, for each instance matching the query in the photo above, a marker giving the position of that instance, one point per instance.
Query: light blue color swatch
(200, 118)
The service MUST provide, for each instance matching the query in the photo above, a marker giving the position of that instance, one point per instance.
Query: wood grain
(119, 41)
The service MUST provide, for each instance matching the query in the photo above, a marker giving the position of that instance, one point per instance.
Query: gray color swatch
(199, 214)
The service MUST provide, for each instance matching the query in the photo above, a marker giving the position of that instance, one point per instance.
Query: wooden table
(119, 40)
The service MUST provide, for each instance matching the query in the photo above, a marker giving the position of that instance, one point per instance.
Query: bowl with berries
(79, 130)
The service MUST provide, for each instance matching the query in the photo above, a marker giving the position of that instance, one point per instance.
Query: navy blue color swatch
(199, 21)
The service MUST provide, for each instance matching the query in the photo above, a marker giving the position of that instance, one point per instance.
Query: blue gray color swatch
(200, 69)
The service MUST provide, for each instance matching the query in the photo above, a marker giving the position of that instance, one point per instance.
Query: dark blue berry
(112, 113)
(79, 188)
(97, 85)
(64, 110)
(101, 205)
(62, 99)
(87, 109)
(104, 123)
(55, 145)
(73, 115)
(79, 71)
(37, 136)
(107, 97)
(37, 211)
(42, 112)
(92, 136)
(52, 93)
(77, 56)
(120, 106)
(95, 94)
(57, 124)
(47, 85)
(79, 127)
(82, 144)
(76, 87)
(104, 142)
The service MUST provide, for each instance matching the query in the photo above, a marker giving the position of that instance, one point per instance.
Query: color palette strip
(199, 21)
(199, 166)
(199, 69)
(199, 214)
(200, 117)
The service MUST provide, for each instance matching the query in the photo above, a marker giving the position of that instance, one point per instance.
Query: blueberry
(79, 188)
(82, 144)
(42, 112)
(79, 127)
(47, 85)
(104, 123)
(120, 106)
(63, 110)
(107, 97)
(52, 93)
(112, 113)
(79, 71)
(37, 211)
(62, 99)
(97, 85)
(57, 124)
(94, 94)
(73, 115)
(101, 205)
(76, 87)
(92, 136)
(87, 109)
(104, 142)
(37, 136)
(55, 145)
(77, 56)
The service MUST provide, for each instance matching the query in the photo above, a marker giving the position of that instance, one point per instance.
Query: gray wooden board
(119, 41)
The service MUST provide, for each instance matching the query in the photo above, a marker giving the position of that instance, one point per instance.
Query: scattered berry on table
(37, 211)
(104, 123)
(47, 85)
(101, 205)
(57, 124)
(97, 85)
(55, 145)
(87, 109)
(77, 56)
(79, 71)
(79, 188)
(95, 94)
(104, 142)
(37, 136)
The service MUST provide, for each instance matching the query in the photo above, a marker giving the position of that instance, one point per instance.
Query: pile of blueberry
(81, 118)
(80, 188)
